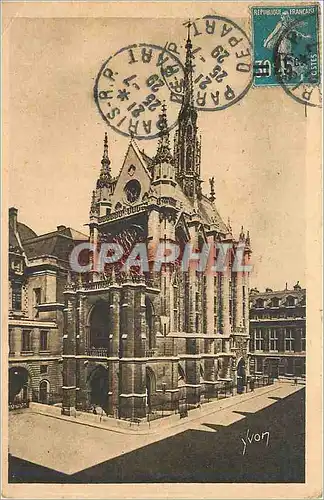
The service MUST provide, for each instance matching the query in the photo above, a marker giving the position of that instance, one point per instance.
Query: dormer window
(16, 266)
(291, 301)
(275, 302)
(259, 303)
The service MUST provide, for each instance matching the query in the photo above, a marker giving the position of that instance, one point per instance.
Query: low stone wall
(45, 409)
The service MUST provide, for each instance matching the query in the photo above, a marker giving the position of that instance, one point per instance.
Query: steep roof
(25, 232)
(211, 215)
(57, 243)
(282, 295)
(205, 207)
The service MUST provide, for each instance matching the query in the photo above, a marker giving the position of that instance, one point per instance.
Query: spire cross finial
(189, 26)
(105, 158)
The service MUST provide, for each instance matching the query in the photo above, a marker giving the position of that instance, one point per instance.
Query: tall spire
(105, 174)
(188, 72)
(163, 153)
(187, 147)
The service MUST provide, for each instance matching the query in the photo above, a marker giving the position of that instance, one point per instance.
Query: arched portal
(44, 391)
(99, 387)
(99, 325)
(18, 383)
(150, 387)
(241, 376)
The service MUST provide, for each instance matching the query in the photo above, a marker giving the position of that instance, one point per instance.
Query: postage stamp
(285, 45)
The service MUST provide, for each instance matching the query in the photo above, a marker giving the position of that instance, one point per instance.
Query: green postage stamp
(286, 45)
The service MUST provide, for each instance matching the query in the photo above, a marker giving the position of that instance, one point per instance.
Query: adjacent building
(133, 340)
(38, 267)
(278, 332)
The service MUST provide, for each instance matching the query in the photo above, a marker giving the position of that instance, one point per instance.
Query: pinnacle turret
(212, 189)
(105, 174)
(163, 154)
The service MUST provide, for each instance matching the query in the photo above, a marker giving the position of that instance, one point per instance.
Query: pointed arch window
(175, 306)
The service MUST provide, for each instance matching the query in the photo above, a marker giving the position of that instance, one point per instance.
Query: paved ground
(208, 449)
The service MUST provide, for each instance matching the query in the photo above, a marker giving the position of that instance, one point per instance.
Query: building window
(16, 296)
(273, 339)
(175, 308)
(11, 340)
(26, 340)
(258, 340)
(259, 303)
(44, 340)
(197, 323)
(275, 302)
(303, 340)
(231, 302)
(289, 340)
(204, 301)
(290, 366)
(290, 301)
(37, 295)
(43, 369)
(259, 365)
(215, 305)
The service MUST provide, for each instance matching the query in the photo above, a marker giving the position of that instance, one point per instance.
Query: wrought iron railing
(121, 213)
(100, 352)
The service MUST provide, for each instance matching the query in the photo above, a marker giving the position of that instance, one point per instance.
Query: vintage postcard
(162, 249)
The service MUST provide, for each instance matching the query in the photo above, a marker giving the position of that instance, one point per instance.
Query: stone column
(238, 300)
(132, 379)
(81, 377)
(246, 282)
(224, 304)
(69, 351)
(93, 241)
(210, 288)
(113, 363)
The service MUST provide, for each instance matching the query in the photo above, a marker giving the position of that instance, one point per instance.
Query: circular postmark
(131, 87)
(222, 62)
(297, 61)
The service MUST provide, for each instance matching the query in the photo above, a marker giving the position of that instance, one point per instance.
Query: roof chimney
(13, 213)
(61, 227)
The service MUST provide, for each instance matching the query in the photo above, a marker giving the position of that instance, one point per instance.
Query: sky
(255, 149)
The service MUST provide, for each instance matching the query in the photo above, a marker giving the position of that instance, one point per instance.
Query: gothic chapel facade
(135, 340)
